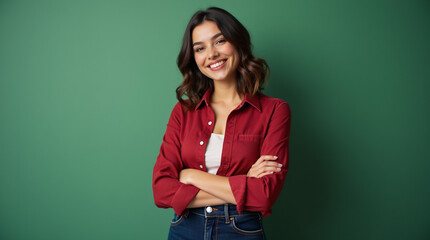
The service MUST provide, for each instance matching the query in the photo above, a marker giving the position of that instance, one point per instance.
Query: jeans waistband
(225, 210)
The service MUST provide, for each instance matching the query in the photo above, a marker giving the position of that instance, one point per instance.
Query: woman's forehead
(205, 31)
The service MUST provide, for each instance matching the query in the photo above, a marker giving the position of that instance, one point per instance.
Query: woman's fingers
(264, 174)
(265, 165)
(262, 158)
(269, 169)
(267, 157)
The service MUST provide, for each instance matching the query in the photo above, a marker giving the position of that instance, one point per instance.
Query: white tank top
(213, 153)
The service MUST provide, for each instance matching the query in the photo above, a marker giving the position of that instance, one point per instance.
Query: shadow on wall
(304, 199)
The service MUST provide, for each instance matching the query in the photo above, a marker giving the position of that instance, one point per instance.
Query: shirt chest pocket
(248, 147)
(250, 138)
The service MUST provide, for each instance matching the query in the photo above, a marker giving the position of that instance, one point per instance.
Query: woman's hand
(265, 165)
(186, 174)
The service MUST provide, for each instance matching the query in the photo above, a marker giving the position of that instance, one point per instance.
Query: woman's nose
(212, 53)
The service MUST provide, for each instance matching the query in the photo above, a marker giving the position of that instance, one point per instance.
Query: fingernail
(279, 165)
(275, 156)
(271, 171)
(278, 169)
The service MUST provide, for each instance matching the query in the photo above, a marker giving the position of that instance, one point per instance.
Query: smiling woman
(224, 156)
(215, 57)
(251, 70)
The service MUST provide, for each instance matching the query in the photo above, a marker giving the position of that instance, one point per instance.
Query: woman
(224, 156)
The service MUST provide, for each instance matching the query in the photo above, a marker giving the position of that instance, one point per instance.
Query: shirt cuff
(183, 197)
(238, 187)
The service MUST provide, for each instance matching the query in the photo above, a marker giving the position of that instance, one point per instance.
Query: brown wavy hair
(251, 72)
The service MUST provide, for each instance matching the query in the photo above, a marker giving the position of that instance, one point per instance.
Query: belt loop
(186, 213)
(227, 217)
(204, 210)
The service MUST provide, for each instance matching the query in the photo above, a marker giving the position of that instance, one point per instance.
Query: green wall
(86, 89)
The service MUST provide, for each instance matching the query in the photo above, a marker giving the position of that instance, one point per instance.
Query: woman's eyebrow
(213, 37)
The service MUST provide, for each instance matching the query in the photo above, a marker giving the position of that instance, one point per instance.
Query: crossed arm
(216, 190)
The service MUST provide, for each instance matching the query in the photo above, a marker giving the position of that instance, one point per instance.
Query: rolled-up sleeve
(168, 191)
(259, 194)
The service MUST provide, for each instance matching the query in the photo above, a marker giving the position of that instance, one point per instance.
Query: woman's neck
(226, 93)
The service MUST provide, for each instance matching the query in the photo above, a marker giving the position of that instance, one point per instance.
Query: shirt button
(201, 166)
(201, 142)
(210, 122)
(209, 209)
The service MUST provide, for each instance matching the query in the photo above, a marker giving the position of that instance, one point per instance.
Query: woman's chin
(222, 78)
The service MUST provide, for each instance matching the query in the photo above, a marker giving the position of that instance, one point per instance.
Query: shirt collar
(253, 101)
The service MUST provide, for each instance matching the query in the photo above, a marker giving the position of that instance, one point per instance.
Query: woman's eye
(198, 49)
(220, 41)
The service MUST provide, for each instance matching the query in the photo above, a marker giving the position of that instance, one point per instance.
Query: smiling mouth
(218, 65)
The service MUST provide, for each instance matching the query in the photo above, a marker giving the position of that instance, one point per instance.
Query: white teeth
(217, 64)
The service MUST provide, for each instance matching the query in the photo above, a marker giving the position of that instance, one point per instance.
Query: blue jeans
(217, 222)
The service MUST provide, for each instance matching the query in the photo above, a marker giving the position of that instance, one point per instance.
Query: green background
(86, 89)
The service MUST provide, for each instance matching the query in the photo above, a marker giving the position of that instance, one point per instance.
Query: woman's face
(216, 57)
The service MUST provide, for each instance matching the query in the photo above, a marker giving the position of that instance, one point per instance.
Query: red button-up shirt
(258, 126)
